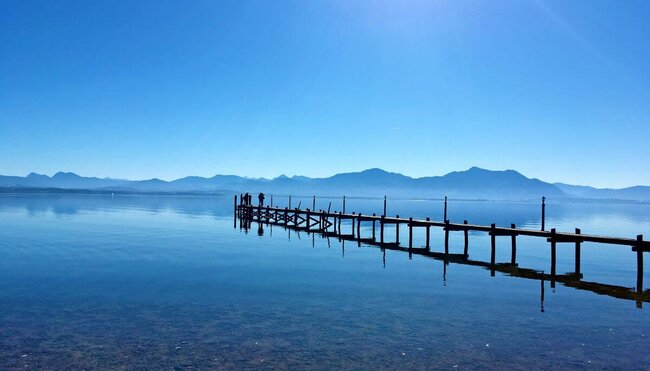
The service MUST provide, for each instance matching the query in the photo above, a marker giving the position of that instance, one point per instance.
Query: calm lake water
(168, 282)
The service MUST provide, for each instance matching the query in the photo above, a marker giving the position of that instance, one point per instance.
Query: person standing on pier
(261, 198)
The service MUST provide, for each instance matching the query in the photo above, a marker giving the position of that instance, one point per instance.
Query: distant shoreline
(8, 191)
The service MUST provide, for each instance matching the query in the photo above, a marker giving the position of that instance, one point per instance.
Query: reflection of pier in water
(329, 224)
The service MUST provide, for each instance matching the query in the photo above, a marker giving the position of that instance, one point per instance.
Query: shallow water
(167, 282)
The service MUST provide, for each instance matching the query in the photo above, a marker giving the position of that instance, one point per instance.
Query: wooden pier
(330, 224)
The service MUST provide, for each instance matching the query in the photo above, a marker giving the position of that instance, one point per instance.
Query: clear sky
(558, 90)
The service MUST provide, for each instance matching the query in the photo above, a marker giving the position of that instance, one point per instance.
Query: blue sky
(559, 90)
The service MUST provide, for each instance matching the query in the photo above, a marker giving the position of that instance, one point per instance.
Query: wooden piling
(384, 206)
(313, 203)
(513, 253)
(577, 255)
(381, 229)
(343, 204)
(373, 227)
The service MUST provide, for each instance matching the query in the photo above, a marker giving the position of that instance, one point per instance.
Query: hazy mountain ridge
(474, 183)
(635, 193)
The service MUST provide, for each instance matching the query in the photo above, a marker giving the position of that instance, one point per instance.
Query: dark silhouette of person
(261, 198)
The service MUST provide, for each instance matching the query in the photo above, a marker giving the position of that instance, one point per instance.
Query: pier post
(466, 235)
(397, 230)
(373, 226)
(513, 254)
(343, 204)
(410, 233)
(235, 211)
(289, 201)
(339, 221)
(446, 236)
(553, 256)
(428, 235)
(381, 229)
(384, 205)
(543, 212)
(313, 203)
(353, 220)
(639, 264)
(271, 203)
(577, 255)
(493, 243)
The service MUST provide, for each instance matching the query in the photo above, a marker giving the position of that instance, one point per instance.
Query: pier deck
(329, 224)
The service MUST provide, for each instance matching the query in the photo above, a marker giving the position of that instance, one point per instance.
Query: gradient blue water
(167, 282)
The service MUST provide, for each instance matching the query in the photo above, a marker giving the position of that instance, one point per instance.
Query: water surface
(168, 282)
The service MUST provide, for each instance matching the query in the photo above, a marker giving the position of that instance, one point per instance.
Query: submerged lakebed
(170, 282)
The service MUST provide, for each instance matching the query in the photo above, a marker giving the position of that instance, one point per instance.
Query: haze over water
(167, 282)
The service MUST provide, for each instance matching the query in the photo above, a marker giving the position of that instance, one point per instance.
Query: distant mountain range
(474, 183)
